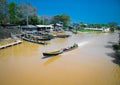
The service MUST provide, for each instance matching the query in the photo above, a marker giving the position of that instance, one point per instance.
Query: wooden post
(27, 21)
(119, 38)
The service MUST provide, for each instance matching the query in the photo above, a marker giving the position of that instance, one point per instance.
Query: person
(61, 51)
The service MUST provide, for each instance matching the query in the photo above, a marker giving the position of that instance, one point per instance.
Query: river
(89, 64)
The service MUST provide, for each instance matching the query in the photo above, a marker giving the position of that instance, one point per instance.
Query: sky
(88, 11)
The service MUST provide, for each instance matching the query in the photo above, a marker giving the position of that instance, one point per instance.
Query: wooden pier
(11, 44)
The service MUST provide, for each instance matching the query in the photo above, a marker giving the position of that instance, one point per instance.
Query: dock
(11, 44)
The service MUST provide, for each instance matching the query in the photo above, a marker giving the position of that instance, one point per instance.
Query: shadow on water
(108, 46)
(111, 42)
(52, 59)
(115, 55)
(44, 57)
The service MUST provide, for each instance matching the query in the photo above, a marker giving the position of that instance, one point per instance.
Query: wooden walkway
(11, 44)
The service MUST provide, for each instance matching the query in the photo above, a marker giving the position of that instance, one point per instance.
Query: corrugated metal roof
(29, 26)
(51, 26)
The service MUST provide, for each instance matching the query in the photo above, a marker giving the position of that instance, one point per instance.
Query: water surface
(87, 65)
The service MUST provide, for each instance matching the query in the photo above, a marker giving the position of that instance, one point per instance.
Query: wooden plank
(11, 44)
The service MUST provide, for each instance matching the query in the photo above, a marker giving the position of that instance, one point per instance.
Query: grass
(95, 31)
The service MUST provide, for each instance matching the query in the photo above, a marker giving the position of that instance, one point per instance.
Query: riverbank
(6, 41)
(94, 31)
(5, 36)
(87, 31)
(11, 44)
(6, 32)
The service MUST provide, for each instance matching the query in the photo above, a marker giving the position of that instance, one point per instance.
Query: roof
(57, 24)
(51, 26)
(29, 26)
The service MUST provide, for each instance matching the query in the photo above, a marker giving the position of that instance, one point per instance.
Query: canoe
(60, 51)
(52, 53)
(27, 39)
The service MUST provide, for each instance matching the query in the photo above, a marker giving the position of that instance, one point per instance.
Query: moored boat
(30, 40)
(45, 37)
(63, 36)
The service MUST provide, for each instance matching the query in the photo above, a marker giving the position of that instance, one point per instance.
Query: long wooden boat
(52, 53)
(45, 37)
(38, 42)
(60, 51)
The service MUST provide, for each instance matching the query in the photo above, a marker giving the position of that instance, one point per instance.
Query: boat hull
(26, 39)
(54, 53)
(63, 36)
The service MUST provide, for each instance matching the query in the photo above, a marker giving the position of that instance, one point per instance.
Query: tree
(76, 26)
(81, 25)
(96, 25)
(34, 20)
(12, 10)
(90, 25)
(3, 11)
(61, 18)
(25, 12)
(112, 25)
(118, 27)
(46, 19)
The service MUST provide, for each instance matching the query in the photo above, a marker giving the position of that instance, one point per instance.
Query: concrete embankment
(11, 44)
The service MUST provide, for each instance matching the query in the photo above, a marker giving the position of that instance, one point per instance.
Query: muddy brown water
(89, 64)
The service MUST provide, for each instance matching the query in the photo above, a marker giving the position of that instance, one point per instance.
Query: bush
(116, 47)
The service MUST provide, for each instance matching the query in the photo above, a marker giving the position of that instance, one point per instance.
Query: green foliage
(82, 25)
(46, 19)
(3, 11)
(12, 8)
(118, 27)
(112, 24)
(96, 25)
(18, 13)
(34, 20)
(27, 10)
(92, 31)
(61, 18)
(116, 47)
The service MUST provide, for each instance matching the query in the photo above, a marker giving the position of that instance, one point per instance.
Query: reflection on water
(52, 59)
(87, 65)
